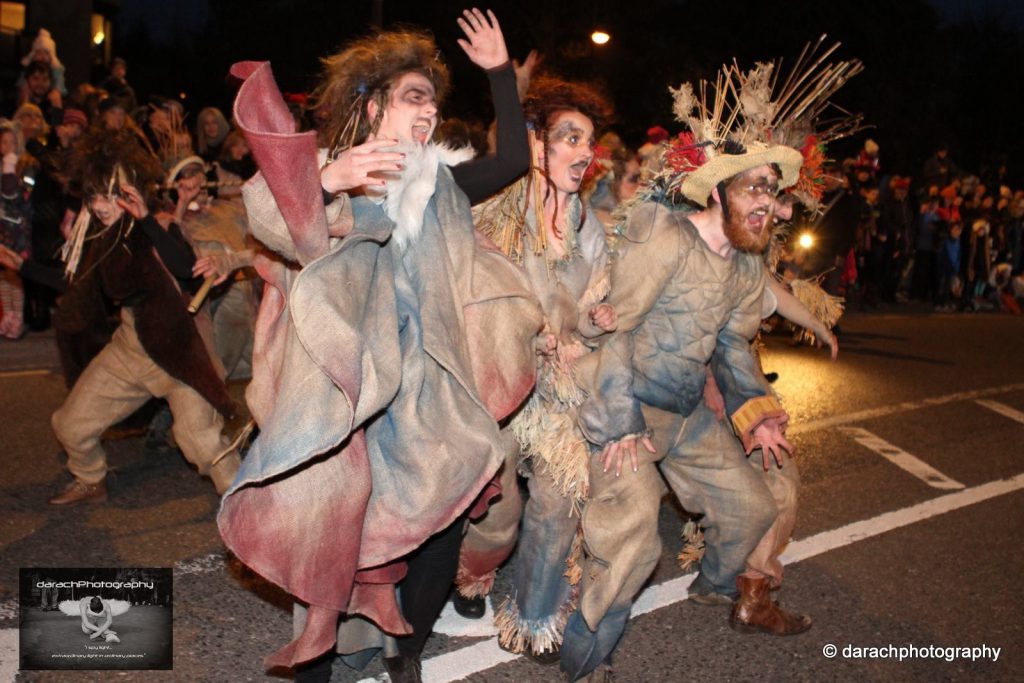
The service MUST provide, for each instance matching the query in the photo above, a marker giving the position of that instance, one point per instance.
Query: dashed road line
(458, 664)
(872, 413)
(899, 457)
(1002, 409)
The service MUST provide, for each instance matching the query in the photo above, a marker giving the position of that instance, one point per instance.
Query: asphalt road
(911, 449)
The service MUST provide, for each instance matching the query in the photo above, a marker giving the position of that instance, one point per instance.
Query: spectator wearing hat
(897, 221)
(44, 50)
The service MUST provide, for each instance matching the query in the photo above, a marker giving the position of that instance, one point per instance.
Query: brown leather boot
(77, 491)
(756, 611)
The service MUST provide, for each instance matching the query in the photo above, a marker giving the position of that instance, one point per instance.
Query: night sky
(936, 70)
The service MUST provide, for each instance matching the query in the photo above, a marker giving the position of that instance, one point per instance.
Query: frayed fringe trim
(822, 305)
(573, 563)
(516, 634)
(693, 546)
(557, 448)
(471, 586)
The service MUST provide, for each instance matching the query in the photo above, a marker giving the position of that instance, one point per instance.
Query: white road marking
(1002, 409)
(871, 413)
(456, 665)
(451, 623)
(8, 654)
(899, 457)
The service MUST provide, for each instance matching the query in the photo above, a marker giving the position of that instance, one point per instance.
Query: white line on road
(871, 413)
(1002, 409)
(899, 457)
(456, 665)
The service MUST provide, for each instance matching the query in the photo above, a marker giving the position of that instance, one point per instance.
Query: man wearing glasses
(689, 289)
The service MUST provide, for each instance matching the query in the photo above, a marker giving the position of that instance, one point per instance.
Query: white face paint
(411, 112)
(106, 210)
(570, 150)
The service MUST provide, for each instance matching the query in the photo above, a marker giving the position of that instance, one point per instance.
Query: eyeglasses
(770, 189)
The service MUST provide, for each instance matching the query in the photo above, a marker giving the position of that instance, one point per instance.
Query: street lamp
(806, 240)
(600, 37)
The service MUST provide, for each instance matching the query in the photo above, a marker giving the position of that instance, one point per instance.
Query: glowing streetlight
(99, 37)
(806, 240)
(600, 37)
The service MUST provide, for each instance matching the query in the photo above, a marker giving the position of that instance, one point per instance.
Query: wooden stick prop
(200, 297)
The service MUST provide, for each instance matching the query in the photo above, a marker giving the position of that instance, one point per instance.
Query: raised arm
(485, 46)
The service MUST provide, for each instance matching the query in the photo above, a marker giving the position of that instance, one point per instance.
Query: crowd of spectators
(947, 238)
(36, 137)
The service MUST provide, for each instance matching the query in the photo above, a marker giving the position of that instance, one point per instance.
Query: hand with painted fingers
(770, 437)
(355, 167)
(485, 46)
(604, 317)
(545, 344)
(132, 202)
(617, 451)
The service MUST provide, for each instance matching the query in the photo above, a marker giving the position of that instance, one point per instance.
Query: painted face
(210, 127)
(411, 112)
(752, 201)
(630, 180)
(105, 209)
(570, 150)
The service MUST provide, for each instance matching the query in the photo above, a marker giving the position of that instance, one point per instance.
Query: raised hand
(524, 72)
(353, 168)
(132, 202)
(486, 45)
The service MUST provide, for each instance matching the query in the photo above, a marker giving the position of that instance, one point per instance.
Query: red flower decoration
(597, 166)
(812, 179)
(684, 156)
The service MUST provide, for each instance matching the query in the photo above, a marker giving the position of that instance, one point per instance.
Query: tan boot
(77, 491)
(756, 611)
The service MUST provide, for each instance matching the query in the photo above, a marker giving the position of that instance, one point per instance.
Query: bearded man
(688, 289)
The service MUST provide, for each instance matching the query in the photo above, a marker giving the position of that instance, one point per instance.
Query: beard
(742, 237)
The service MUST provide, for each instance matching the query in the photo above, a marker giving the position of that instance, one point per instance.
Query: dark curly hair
(365, 70)
(91, 163)
(549, 96)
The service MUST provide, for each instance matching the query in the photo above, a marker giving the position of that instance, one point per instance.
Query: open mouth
(757, 219)
(577, 170)
(421, 132)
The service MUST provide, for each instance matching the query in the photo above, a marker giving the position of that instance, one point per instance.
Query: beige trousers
(116, 383)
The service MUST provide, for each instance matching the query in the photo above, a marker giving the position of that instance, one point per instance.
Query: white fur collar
(405, 195)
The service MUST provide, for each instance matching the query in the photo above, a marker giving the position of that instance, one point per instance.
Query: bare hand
(486, 45)
(132, 202)
(525, 71)
(829, 339)
(616, 452)
(604, 317)
(770, 437)
(55, 99)
(189, 189)
(353, 168)
(10, 258)
(211, 265)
